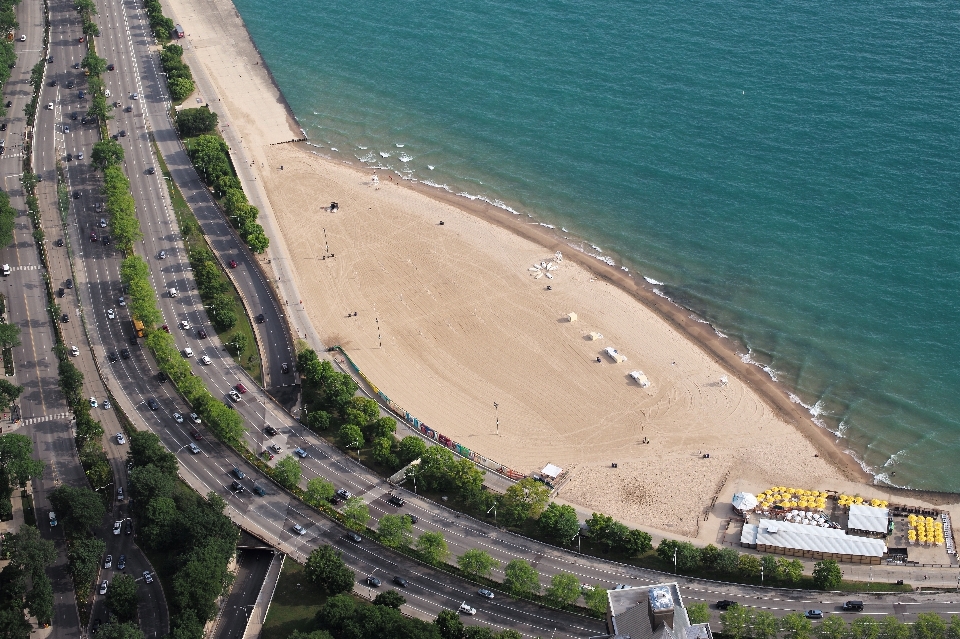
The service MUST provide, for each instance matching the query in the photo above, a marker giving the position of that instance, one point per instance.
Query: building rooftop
(784, 534)
(651, 612)
(868, 518)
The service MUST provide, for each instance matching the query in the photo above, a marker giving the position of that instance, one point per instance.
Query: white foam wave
(746, 359)
(384, 154)
(894, 458)
(696, 319)
(438, 186)
(314, 145)
(625, 269)
(657, 291)
(549, 226)
(367, 157)
(362, 148)
(862, 463)
(333, 148)
(655, 282)
(430, 166)
(399, 146)
(719, 334)
(842, 428)
(596, 248)
(403, 157)
(564, 230)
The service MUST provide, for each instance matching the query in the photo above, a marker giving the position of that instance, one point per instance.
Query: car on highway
(233, 264)
(74, 351)
(853, 606)
(123, 133)
(135, 96)
(106, 404)
(147, 577)
(121, 562)
(59, 242)
(177, 417)
(113, 356)
(121, 301)
(103, 222)
(165, 328)
(202, 334)
(117, 526)
(162, 255)
(259, 490)
(151, 171)
(234, 395)
(70, 85)
(3, 127)
(236, 486)
(61, 292)
(270, 430)
(76, 194)
(193, 431)
(121, 439)
(276, 448)
(103, 587)
(724, 604)
(300, 530)
(81, 94)
(194, 448)
(206, 361)
(301, 453)
(119, 494)
(284, 368)
(400, 581)
(93, 402)
(336, 501)
(354, 537)
(241, 388)
(128, 109)
(70, 159)
(152, 403)
(110, 67)
(128, 528)
(814, 614)
(23, 38)
(64, 317)
(483, 592)
(68, 283)
(237, 473)
(93, 234)
(342, 493)
(413, 518)
(396, 500)
(373, 582)
(261, 319)
(53, 519)
(111, 314)
(467, 610)
(185, 325)
(125, 353)
(108, 561)
(76, 65)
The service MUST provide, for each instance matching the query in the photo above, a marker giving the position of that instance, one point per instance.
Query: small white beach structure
(551, 472)
(571, 317)
(614, 354)
(640, 378)
(744, 501)
(723, 380)
(594, 336)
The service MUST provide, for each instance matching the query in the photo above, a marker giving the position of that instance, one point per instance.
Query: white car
(194, 448)
(162, 255)
(195, 418)
(117, 526)
(206, 361)
(108, 562)
(121, 301)
(234, 395)
(107, 93)
(23, 38)
(135, 96)
(147, 577)
(121, 439)
(75, 351)
(185, 325)
(300, 530)
(467, 610)
(276, 448)
(103, 587)
(106, 404)
(111, 314)
(49, 106)
(188, 352)
(93, 402)
(483, 592)
(53, 519)
(177, 417)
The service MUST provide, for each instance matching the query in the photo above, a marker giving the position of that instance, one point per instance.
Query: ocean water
(789, 171)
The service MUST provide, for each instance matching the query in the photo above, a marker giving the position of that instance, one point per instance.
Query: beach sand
(450, 320)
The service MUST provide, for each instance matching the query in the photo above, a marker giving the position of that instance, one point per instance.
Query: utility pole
(496, 408)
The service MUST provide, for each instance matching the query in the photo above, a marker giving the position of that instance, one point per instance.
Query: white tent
(571, 317)
(551, 471)
(595, 336)
(640, 378)
(614, 354)
(744, 501)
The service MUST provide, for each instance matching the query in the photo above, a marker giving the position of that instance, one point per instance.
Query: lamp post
(496, 408)
(577, 537)
(674, 561)
(494, 509)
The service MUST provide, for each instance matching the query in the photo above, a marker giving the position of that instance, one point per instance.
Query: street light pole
(496, 408)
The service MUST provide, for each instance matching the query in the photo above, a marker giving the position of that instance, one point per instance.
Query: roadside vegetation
(25, 589)
(740, 622)
(179, 78)
(8, 58)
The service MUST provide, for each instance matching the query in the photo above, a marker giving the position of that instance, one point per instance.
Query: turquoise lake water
(790, 172)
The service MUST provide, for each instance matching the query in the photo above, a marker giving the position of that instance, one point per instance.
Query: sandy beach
(449, 319)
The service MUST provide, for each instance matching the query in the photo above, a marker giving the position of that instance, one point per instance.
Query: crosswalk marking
(33, 267)
(46, 418)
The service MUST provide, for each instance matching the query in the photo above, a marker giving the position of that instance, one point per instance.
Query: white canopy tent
(744, 501)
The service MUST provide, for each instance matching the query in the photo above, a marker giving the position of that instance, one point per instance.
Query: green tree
(7, 215)
(771, 570)
(864, 628)
(287, 472)
(476, 564)
(193, 122)
(929, 625)
(563, 590)
(637, 542)
(390, 599)
(596, 599)
(383, 427)
(832, 627)
(523, 500)
(795, 626)
(521, 579)
(93, 63)
(893, 628)
(433, 548)
(728, 561)
(116, 630)
(395, 531)
(145, 449)
(449, 624)
(237, 344)
(8, 392)
(16, 458)
(749, 565)
(180, 89)
(355, 514)
(953, 630)
(698, 613)
(410, 448)
(735, 621)
(84, 556)
(827, 574)
(559, 523)
(350, 436)
(765, 625)
(106, 153)
(789, 570)
(9, 335)
(78, 509)
(122, 597)
(39, 600)
(382, 451)
(326, 570)
(319, 491)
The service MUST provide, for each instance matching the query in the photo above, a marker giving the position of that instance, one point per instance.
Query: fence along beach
(448, 319)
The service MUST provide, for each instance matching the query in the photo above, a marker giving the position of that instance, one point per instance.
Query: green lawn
(249, 359)
(294, 605)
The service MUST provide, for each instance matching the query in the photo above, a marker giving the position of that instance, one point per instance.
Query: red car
(166, 328)
(93, 236)
(201, 333)
(241, 388)
(233, 264)
(81, 38)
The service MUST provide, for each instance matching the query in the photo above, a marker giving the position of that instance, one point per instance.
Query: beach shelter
(640, 378)
(551, 471)
(744, 501)
(571, 317)
(595, 336)
(614, 354)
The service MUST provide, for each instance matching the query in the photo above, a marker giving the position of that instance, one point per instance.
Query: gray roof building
(651, 612)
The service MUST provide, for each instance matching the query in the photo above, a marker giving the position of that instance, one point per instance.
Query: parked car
(343, 493)
(147, 577)
(400, 581)
(276, 448)
(103, 587)
(121, 439)
(270, 430)
(121, 562)
(128, 527)
(354, 537)
(117, 526)
(119, 494)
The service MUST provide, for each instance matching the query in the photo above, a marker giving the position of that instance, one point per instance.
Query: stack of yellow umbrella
(792, 498)
(912, 536)
(926, 530)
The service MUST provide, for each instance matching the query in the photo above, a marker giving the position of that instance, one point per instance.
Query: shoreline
(720, 350)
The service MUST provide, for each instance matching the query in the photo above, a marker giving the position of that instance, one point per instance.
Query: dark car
(59, 242)
(113, 356)
(128, 527)
(814, 614)
(60, 292)
(270, 430)
(93, 236)
(125, 353)
(71, 84)
(151, 171)
(853, 606)
(9, 103)
(74, 116)
(152, 403)
(123, 133)
(69, 157)
(373, 581)
(237, 486)
(81, 94)
(400, 581)
(69, 283)
(284, 368)
(122, 562)
(161, 377)
(76, 195)
(110, 67)
(3, 127)
(396, 501)
(105, 240)
(196, 434)
(64, 318)
(53, 83)
(336, 501)
(202, 334)
(133, 340)
(233, 264)
(723, 604)
(237, 473)
(261, 319)
(76, 65)
(96, 625)
(259, 490)
(354, 537)
(413, 519)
